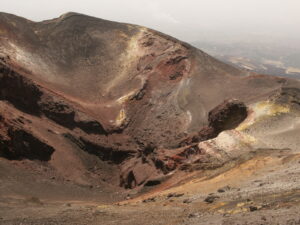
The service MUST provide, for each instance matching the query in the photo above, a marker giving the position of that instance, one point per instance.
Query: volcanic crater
(93, 110)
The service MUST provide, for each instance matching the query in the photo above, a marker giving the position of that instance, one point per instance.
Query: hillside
(97, 112)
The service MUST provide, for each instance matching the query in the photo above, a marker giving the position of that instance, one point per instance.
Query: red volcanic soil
(95, 110)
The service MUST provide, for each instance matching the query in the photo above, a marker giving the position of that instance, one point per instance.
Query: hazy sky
(185, 19)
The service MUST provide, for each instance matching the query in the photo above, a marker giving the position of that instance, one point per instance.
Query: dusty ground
(262, 190)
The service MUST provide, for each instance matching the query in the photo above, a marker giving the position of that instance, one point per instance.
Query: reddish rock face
(227, 115)
(99, 100)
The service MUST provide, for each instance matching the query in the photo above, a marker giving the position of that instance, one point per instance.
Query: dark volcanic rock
(211, 198)
(19, 90)
(227, 115)
(23, 145)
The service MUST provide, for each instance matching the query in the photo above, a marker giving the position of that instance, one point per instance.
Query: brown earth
(93, 112)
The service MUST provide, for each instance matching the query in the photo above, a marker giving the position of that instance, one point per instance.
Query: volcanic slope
(93, 110)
